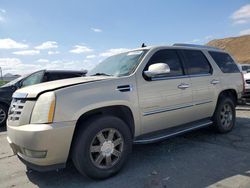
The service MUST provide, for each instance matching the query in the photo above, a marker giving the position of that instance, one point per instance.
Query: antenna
(143, 45)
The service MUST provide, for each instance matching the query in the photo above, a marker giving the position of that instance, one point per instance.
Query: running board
(171, 132)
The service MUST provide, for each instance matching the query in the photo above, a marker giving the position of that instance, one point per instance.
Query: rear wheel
(3, 115)
(224, 116)
(102, 148)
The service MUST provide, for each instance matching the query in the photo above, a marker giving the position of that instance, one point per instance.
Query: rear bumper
(42, 147)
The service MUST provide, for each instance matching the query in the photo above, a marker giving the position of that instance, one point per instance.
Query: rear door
(205, 84)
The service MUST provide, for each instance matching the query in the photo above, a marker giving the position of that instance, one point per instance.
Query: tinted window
(35, 78)
(59, 76)
(169, 57)
(225, 62)
(245, 68)
(196, 62)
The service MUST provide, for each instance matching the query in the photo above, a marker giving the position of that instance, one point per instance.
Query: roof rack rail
(196, 46)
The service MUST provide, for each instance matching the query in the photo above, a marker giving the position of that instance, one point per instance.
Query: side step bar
(171, 132)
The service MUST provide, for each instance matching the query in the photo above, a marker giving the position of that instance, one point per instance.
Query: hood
(35, 90)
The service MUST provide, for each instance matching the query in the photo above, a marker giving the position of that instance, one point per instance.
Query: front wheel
(224, 116)
(102, 148)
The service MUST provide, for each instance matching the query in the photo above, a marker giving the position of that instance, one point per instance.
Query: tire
(3, 115)
(224, 116)
(102, 156)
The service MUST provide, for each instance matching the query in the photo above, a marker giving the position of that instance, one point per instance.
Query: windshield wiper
(101, 74)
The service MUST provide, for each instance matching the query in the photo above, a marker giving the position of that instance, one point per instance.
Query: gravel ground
(197, 159)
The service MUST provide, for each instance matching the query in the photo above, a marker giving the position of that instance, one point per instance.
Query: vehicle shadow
(197, 159)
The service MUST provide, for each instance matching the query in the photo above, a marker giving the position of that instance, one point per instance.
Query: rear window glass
(225, 62)
(196, 62)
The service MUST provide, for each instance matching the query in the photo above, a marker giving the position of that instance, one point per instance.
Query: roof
(182, 46)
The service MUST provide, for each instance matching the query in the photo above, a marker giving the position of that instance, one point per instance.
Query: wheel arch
(228, 93)
(121, 111)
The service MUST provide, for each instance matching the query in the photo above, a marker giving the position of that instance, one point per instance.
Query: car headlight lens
(44, 108)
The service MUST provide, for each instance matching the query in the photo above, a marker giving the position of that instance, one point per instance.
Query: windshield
(119, 65)
(245, 68)
(13, 82)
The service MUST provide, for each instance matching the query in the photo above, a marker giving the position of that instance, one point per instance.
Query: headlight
(43, 111)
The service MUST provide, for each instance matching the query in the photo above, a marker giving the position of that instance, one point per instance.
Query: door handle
(183, 86)
(214, 82)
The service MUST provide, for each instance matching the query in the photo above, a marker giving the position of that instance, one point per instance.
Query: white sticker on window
(134, 53)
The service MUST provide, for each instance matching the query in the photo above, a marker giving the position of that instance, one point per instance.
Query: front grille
(16, 108)
(248, 81)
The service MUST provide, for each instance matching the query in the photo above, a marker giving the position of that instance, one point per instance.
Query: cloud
(195, 41)
(241, 15)
(2, 13)
(90, 56)
(11, 44)
(79, 49)
(209, 37)
(27, 52)
(245, 32)
(42, 60)
(114, 51)
(53, 52)
(47, 45)
(69, 65)
(2, 19)
(15, 66)
(96, 30)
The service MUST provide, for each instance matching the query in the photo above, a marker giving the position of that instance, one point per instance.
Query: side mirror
(248, 70)
(157, 69)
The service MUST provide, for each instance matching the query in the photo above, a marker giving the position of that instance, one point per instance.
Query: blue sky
(78, 34)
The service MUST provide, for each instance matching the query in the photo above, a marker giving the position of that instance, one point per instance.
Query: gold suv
(140, 96)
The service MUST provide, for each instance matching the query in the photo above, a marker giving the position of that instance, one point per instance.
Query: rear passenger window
(225, 62)
(169, 57)
(196, 62)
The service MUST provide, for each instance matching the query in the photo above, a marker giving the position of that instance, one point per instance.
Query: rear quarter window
(225, 62)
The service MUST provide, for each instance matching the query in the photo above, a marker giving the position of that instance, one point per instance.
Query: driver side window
(170, 57)
(35, 78)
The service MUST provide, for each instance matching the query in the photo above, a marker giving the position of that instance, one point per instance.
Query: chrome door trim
(166, 109)
(157, 111)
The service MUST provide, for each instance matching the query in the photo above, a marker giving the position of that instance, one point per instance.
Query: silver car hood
(35, 90)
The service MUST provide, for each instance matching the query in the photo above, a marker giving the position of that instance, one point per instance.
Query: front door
(165, 100)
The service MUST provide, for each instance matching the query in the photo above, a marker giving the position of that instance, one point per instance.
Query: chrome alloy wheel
(2, 115)
(106, 148)
(226, 115)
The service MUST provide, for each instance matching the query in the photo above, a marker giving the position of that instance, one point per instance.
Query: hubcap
(2, 115)
(106, 148)
(226, 115)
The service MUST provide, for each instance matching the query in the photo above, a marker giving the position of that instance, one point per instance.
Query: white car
(245, 69)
